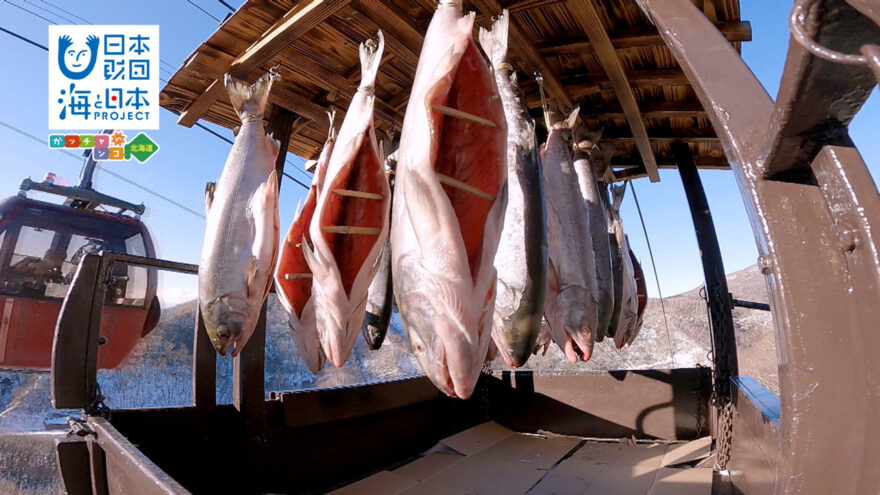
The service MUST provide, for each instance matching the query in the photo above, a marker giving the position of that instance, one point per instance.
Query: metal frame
(816, 232)
(75, 347)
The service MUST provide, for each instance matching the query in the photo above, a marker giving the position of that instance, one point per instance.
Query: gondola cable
(106, 170)
(669, 342)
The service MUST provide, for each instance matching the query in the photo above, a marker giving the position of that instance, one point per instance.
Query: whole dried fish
(241, 233)
(449, 200)
(572, 308)
(585, 141)
(522, 257)
(380, 298)
(629, 303)
(642, 291)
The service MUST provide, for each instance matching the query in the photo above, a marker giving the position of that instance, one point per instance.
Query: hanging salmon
(449, 204)
(616, 259)
(629, 302)
(584, 143)
(521, 260)
(642, 291)
(241, 233)
(380, 298)
(293, 279)
(350, 223)
(572, 309)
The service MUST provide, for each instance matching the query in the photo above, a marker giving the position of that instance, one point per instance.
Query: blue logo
(71, 56)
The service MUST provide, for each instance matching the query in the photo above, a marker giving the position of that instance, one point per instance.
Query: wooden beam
(525, 47)
(629, 162)
(587, 84)
(300, 20)
(664, 110)
(635, 37)
(586, 15)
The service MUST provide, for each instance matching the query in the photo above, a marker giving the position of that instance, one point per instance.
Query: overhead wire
(212, 16)
(31, 12)
(231, 9)
(105, 170)
(164, 80)
(65, 11)
(203, 127)
(669, 341)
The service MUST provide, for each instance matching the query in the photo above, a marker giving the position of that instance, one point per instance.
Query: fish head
(225, 319)
(420, 317)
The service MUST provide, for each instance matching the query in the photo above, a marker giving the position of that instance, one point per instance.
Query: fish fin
(371, 58)
(617, 193)
(572, 117)
(494, 41)
(210, 187)
(251, 277)
(249, 101)
(264, 208)
(274, 145)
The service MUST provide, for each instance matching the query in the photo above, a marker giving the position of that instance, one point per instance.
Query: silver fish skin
(572, 308)
(629, 302)
(446, 308)
(242, 231)
(380, 297)
(522, 257)
(616, 260)
(589, 190)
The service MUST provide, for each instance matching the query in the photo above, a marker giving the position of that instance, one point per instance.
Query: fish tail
(617, 193)
(249, 101)
(494, 42)
(371, 58)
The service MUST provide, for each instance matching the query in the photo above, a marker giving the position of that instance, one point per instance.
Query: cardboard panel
(622, 454)
(512, 480)
(381, 483)
(477, 438)
(578, 476)
(428, 466)
(689, 452)
(694, 481)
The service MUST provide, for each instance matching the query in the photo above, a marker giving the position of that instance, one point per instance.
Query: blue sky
(191, 157)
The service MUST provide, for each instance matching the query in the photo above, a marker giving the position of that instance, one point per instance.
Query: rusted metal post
(717, 294)
(817, 235)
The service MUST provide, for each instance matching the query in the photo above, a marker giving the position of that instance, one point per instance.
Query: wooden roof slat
(664, 110)
(524, 45)
(395, 23)
(320, 66)
(296, 23)
(585, 13)
(636, 37)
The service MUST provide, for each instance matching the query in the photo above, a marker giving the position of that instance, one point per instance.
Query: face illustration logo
(76, 63)
(103, 77)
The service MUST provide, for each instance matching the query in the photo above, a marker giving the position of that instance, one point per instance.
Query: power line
(203, 10)
(106, 170)
(65, 11)
(231, 9)
(65, 19)
(31, 12)
(205, 128)
(669, 342)
(22, 38)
